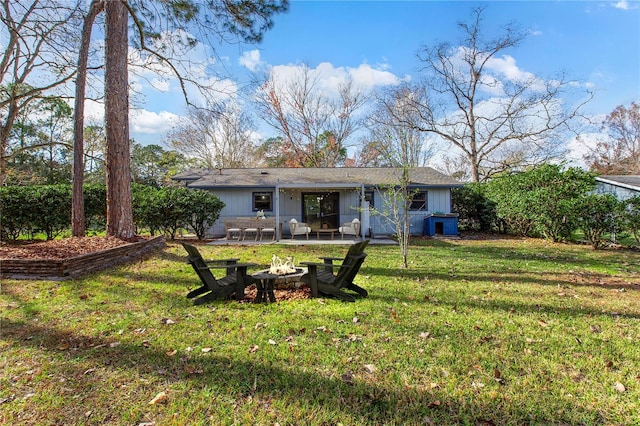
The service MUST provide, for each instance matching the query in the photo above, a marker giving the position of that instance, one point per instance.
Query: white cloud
(506, 65)
(148, 122)
(330, 77)
(251, 60)
(626, 5)
(370, 77)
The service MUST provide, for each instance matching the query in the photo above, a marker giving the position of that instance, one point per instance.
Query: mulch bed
(59, 249)
(71, 257)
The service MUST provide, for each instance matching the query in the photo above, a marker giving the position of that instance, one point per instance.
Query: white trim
(620, 184)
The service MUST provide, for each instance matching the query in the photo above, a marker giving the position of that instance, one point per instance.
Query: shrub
(205, 210)
(475, 211)
(541, 201)
(598, 215)
(50, 209)
(631, 214)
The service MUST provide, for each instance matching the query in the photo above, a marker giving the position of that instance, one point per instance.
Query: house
(623, 187)
(324, 198)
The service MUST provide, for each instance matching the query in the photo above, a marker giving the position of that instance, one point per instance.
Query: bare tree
(498, 121)
(36, 56)
(315, 125)
(215, 139)
(394, 127)
(619, 152)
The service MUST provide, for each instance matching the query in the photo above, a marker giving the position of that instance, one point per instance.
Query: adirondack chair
(321, 278)
(234, 281)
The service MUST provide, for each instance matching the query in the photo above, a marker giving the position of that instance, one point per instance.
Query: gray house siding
(623, 187)
(235, 187)
(238, 203)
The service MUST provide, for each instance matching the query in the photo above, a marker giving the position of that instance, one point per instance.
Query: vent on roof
(264, 173)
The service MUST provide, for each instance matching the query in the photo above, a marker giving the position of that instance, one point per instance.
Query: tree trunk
(119, 209)
(77, 197)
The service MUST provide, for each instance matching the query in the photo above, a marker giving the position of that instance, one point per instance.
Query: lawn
(478, 332)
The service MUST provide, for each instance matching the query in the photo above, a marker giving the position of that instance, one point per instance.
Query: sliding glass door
(320, 209)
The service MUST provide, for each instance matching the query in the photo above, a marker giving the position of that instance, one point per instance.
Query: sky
(596, 43)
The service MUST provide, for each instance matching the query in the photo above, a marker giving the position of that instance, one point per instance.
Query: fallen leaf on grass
(193, 370)
(253, 348)
(171, 352)
(394, 316)
(159, 398)
(347, 377)
(619, 387)
(167, 321)
(369, 368)
(206, 350)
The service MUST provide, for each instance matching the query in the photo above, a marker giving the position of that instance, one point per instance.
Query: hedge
(27, 210)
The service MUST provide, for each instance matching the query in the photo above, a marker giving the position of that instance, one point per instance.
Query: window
(262, 201)
(418, 201)
(368, 196)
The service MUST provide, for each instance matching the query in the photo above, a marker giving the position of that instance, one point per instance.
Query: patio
(383, 240)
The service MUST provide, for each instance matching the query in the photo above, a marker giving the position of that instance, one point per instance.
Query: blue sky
(597, 43)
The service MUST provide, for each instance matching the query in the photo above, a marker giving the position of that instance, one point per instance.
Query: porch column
(277, 211)
(364, 213)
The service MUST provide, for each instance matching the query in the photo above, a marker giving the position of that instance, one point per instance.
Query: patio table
(265, 283)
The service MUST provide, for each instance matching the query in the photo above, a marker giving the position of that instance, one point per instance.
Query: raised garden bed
(75, 266)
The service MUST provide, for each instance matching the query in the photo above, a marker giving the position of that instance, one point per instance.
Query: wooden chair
(299, 228)
(350, 228)
(250, 227)
(268, 226)
(321, 278)
(232, 229)
(234, 281)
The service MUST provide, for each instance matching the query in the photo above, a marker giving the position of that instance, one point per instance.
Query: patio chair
(250, 228)
(234, 281)
(299, 228)
(322, 280)
(350, 228)
(268, 226)
(232, 229)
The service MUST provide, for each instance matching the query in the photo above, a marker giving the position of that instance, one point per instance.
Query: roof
(327, 177)
(625, 181)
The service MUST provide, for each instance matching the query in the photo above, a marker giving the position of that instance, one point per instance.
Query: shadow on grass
(238, 379)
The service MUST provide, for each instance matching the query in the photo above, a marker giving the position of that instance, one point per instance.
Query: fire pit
(288, 274)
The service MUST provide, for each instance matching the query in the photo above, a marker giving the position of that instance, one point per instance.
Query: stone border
(77, 266)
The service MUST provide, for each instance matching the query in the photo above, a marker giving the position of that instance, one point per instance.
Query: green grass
(474, 332)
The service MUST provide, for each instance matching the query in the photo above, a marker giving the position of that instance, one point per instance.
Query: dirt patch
(299, 293)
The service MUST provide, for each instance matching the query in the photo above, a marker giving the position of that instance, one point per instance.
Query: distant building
(623, 187)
